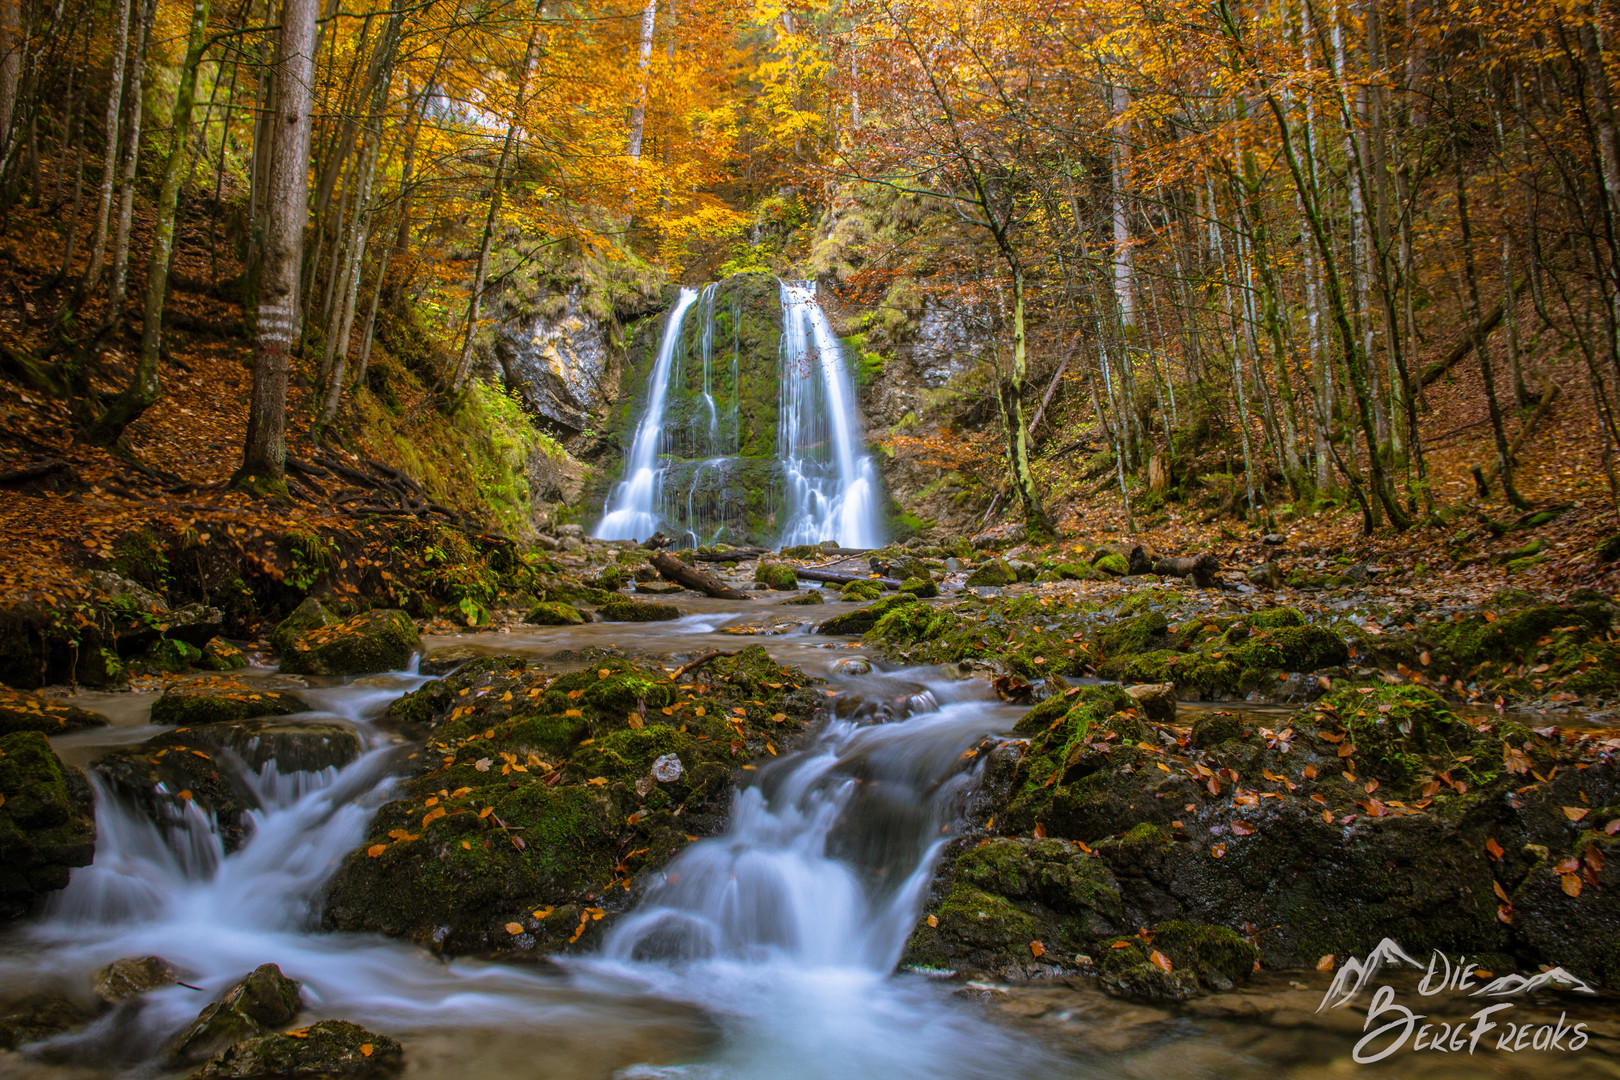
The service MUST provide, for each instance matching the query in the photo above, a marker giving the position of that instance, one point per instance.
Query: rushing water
(831, 487)
(684, 473)
(765, 952)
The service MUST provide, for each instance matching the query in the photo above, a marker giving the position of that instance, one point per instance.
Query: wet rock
(1210, 729)
(1002, 536)
(953, 565)
(993, 573)
(369, 643)
(863, 591)
(323, 1051)
(922, 588)
(309, 615)
(553, 613)
(1268, 575)
(219, 700)
(667, 769)
(22, 711)
(532, 787)
(1026, 571)
(1113, 564)
(810, 596)
(776, 576)
(168, 778)
(1156, 700)
(571, 531)
(853, 665)
(265, 999)
(132, 977)
(294, 745)
(863, 619)
(659, 588)
(47, 822)
(39, 1016)
(638, 611)
(220, 655)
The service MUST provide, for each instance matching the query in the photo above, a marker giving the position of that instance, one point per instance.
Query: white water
(831, 486)
(632, 508)
(783, 932)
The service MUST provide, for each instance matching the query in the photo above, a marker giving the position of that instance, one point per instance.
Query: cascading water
(707, 467)
(632, 510)
(831, 486)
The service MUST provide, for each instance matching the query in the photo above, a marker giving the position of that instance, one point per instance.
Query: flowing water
(767, 951)
(683, 473)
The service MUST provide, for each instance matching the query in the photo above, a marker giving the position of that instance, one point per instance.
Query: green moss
(221, 655)
(309, 615)
(140, 556)
(993, 573)
(638, 611)
(552, 613)
(1292, 648)
(221, 701)
(1071, 571)
(169, 655)
(368, 643)
(863, 619)
(1210, 729)
(922, 588)
(1113, 564)
(1127, 637)
(1276, 617)
(809, 597)
(1391, 726)
(776, 576)
(45, 829)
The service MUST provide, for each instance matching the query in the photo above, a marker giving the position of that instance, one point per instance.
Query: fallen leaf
(1243, 828)
(1310, 772)
(1036, 949)
(597, 781)
(375, 850)
(1571, 884)
(1159, 960)
(1218, 851)
(1326, 963)
(1327, 816)
(1493, 849)
(365, 1049)
(514, 928)
(933, 920)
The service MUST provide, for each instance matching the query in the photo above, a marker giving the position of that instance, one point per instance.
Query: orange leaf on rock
(1571, 883)
(514, 928)
(1493, 849)
(1326, 963)
(933, 920)
(1575, 813)
(1243, 828)
(1218, 851)
(365, 1049)
(375, 850)
(1036, 949)
(1160, 961)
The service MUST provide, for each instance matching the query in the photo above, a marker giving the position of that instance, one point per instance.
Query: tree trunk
(109, 163)
(11, 53)
(672, 569)
(144, 382)
(638, 113)
(264, 454)
(133, 79)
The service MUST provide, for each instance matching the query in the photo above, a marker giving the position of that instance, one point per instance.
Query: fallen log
(672, 569)
(734, 555)
(1201, 568)
(1487, 477)
(836, 578)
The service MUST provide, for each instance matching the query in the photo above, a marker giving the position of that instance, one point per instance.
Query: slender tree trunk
(264, 453)
(12, 44)
(144, 383)
(109, 164)
(638, 112)
(117, 285)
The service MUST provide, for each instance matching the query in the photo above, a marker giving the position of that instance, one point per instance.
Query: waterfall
(689, 471)
(831, 489)
(632, 507)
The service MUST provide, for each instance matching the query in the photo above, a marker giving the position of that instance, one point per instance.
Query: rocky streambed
(950, 831)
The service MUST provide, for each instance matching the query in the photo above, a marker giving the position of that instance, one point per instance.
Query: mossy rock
(367, 644)
(47, 822)
(776, 576)
(22, 711)
(1291, 648)
(1210, 729)
(300, 745)
(553, 613)
(1518, 566)
(1072, 571)
(1140, 634)
(39, 1016)
(221, 699)
(922, 588)
(1271, 618)
(220, 655)
(1220, 957)
(1391, 727)
(169, 656)
(638, 611)
(992, 573)
(327, 1050)
(1126, 970)
(862, 591)
(309, 615)
(863, 619)
(809, 596)
(1113, 564)
(264, 1000)
(610, 578)
(168, 776)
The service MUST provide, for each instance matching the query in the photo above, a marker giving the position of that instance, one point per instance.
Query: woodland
(1232, 390)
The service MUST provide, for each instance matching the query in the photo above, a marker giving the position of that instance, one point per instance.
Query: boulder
(309, 615)
(132, 977)
(863, 619)
(164, 777)
(47, 822)
(863, 591)
(220, 655)
(323, 1051)
(22, 711)
(809, 596)
(921, 588)
(638, 611)
(221, 699)
(1156, 700)
(294, 745)
(776, 576)
(554, 613)
(39, 1016)
(1113, 564)
(994, 573)
(367, 644)
(264, 1000)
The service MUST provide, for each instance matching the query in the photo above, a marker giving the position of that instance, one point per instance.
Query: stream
(766, 951)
